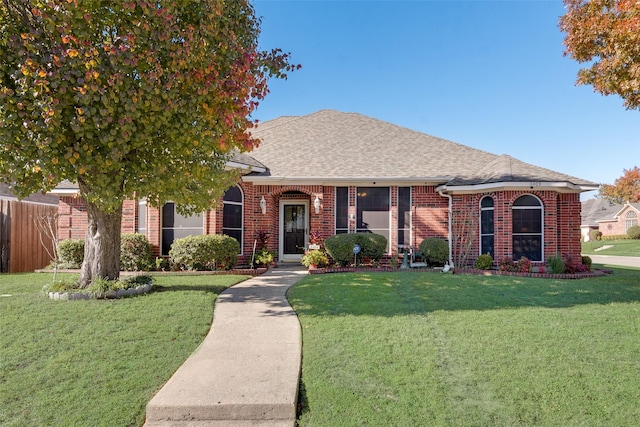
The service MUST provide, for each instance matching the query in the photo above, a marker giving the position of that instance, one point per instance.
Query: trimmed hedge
(340, 247)
(135, 252)
(634, 232)
(205, 252)
(435, 251)
(71, 253)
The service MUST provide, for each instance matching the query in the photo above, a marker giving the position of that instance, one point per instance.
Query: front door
(294, 226)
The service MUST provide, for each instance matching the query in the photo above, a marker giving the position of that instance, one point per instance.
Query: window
(176, 226)
(342, 210)
(232, 213)
(404, 216)
(527, 228)
(631, 219)
(142, 216)
(372, 210)
(486, 226)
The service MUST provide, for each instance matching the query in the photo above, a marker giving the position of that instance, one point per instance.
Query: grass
(96, 362)
(407, 349)
(627, 247)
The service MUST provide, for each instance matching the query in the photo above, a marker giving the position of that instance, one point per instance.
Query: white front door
(294, 229)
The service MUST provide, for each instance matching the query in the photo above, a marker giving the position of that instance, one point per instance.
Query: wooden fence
(21, 244)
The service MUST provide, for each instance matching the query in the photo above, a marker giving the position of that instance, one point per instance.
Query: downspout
(449, 221)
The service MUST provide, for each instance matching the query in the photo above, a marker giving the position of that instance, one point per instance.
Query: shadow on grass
(393, 294)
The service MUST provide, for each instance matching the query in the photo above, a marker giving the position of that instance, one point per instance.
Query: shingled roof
(329, 145)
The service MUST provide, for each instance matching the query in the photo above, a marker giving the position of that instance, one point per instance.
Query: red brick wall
(429, 218)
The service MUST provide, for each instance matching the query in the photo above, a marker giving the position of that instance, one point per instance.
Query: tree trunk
(101, 245)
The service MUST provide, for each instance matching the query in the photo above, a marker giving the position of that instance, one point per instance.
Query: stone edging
(73, 296)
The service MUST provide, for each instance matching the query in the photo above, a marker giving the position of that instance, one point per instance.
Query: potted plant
(315, 258)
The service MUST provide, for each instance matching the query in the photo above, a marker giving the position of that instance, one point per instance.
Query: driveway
(624, 261)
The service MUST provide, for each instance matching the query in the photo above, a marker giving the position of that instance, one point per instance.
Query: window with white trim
(631, 220)
(142, 216)
(342, 210)
(404, 216)
(527, 228)
(486, 226)
(232, 213)
(176, 226)
(372, 210)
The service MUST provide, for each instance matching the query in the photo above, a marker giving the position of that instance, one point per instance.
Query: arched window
(232, 214)
(486, 226)
(527, 228)
(631, 219)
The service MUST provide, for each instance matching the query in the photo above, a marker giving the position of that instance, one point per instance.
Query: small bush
(264, 257)
(574, 265)
(71, 253)
(340, 247)
(205, 252)
(315, 257)
(556, 264)
(595, 235)
(523, 265)
(435, 251)
(586, 261)
(634, 232)
(135, 252)
(507, 264)
(62, 286)
(484, 262)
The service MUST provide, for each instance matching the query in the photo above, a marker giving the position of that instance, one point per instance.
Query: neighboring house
(594, 210)
(623, 218)
(22, 246)
(331, 172)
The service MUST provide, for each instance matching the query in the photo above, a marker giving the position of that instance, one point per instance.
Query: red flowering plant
(315, 238)
(523, 265)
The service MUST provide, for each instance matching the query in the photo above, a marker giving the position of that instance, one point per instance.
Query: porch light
(263, 205)
(316, 204)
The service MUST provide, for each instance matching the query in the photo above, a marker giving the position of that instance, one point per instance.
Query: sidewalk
(625, 261)
(247, 369)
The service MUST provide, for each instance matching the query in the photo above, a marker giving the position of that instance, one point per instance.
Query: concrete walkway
(246, 371)
(624, 261)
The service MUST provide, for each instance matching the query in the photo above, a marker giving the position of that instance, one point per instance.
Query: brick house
(611, 219)
(331, 172)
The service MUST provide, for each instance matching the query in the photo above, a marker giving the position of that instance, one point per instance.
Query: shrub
(523, 265)
(340, 247)
(71, 253)
(595, 235)
(484, 262)
(574, 265)
(586, 261)
(315, 257)
(556, 264)
(135, 252)
(507, 264)
(205, 252)
(435, 251)
(264, 257)
(634, 232)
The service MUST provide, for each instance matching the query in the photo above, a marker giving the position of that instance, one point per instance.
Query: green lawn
(97, 362)
(628, 247)
(408, 349)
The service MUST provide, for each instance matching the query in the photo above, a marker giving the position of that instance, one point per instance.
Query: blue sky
(487, 74)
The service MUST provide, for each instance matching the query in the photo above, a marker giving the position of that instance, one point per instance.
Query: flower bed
(546, 275)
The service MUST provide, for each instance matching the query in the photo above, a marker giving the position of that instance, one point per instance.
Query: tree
(606, 35)
(625, 189)
(128, 99)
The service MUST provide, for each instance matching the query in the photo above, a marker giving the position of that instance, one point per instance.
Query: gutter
(449, 211)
